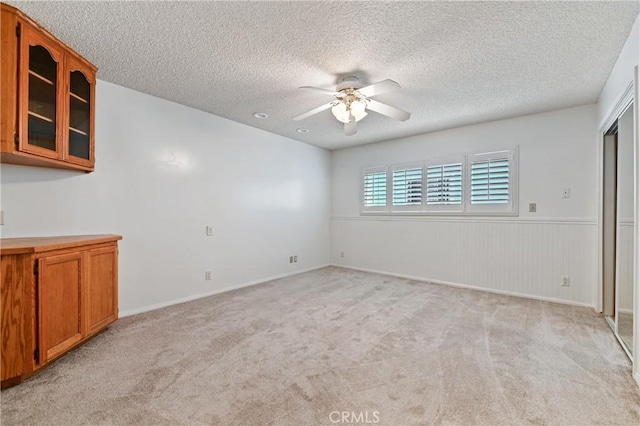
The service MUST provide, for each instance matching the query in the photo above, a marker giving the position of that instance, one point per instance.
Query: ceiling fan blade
(388, 110)
(313, 111)
(379, 88)
(351, 128)
(319, 90)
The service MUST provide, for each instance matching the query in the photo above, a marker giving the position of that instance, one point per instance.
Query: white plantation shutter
(493, 182)
(490, 182)
(471, 184)
(375, 189)
(444, 184)
(407, 187)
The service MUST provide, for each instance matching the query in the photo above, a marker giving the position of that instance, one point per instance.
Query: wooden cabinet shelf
(56, 293)
(80, 132)
(40, 77)
(41, 117)
(73, 95)
(47, 107)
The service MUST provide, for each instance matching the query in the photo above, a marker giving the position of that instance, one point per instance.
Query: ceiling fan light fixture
(351, 102)
(340, 112)
(357, 108)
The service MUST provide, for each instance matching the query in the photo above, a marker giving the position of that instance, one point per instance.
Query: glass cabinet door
(40, 72)
(79, 125)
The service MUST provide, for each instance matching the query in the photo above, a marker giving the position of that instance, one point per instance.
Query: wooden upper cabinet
(40, 101)
(48, 98)
(80, 95)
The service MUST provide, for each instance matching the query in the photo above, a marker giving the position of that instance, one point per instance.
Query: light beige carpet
(296, 350)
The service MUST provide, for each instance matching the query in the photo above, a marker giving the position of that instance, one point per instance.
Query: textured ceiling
(457, 62)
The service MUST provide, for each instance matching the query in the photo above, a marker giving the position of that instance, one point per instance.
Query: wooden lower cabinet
(59, 289)
(102, 296)
(56, 293)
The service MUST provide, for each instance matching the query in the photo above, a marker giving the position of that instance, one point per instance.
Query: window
(407, 188)
(484, 183)
(492, 182)
(444, 186)
(374, 189)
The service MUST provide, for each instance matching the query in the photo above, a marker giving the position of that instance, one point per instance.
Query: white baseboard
(161, 305)
(471, 287)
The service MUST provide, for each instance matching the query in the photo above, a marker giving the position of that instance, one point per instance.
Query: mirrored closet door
(618, 228)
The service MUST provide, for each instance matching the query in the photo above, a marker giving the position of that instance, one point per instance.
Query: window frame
(465, 208)
(446, 208)
(412, 208)
(503, 209)
(374, 209)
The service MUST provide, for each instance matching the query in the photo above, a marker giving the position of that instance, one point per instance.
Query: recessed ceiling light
(261, 115)
(302, 130)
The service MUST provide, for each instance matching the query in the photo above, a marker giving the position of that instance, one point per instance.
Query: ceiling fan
(352, 102)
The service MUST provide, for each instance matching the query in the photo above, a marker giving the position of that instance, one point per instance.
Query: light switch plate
(533, 207)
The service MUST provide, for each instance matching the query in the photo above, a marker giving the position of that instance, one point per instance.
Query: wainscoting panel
(520, 257)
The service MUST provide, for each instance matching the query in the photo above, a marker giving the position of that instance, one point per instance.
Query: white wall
(523, 255)
(266, 196)
(621, 75)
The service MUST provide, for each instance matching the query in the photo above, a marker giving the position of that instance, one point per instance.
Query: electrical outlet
(207, 275)
(566, 193)
(290, 259)
(565, 281)
(1, 217)
(341, 254)
(532, 207)
(295, 259)
(209, 231)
